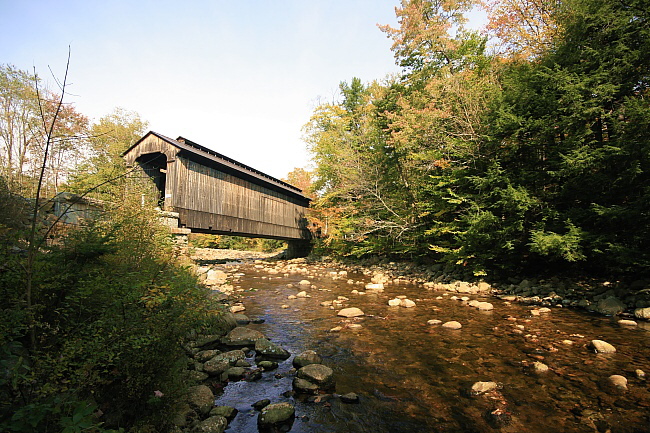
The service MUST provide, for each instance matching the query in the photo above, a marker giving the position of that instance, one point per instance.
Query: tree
(109, 138)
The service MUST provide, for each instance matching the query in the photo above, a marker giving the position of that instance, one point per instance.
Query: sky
(240, 77)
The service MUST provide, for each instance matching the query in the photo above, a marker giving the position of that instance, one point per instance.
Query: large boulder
(306, 358)
(214, 424)
(318, 374)
(267, 349)
(276, 417)
(242, 336)
(610, 306)
(201, 398)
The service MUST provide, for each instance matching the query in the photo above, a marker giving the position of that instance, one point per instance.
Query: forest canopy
(518, 149)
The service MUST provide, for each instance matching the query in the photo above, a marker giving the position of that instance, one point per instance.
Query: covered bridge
(216, 194)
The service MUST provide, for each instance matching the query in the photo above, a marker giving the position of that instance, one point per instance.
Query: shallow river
(416, 377)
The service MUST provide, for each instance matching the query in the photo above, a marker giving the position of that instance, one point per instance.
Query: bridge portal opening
(155, 166)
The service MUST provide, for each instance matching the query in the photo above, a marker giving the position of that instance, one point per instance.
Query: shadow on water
(415, 377)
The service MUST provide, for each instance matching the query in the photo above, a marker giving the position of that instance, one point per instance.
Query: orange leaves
(525, 28)
(426, 30)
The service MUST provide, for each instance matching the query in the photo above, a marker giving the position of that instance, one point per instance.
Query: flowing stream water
(415, 377)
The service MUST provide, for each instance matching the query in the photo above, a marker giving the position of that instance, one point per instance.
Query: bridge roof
(245, 171)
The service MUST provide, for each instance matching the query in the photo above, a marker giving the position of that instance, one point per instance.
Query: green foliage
(111, 308)
(198, 240)
(493, 163)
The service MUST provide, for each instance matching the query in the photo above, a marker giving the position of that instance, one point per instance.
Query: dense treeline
(521, 149)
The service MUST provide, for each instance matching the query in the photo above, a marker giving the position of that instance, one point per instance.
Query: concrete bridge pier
(298, 248)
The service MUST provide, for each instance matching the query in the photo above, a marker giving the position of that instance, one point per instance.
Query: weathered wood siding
(217, 198)
(211, 200)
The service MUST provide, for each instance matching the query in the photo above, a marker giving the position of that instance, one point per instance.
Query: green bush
(111, 307)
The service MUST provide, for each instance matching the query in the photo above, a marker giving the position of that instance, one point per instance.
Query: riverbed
(414, 376)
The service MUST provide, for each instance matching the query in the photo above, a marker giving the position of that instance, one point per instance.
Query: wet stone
(276, 417)
(261, 404)
(600, 346)
(483, 387)
(306, 358)
(214, 424)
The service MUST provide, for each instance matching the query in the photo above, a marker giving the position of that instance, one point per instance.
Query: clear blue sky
(240, 76)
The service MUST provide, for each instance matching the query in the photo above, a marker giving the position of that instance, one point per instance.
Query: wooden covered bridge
(215, 194)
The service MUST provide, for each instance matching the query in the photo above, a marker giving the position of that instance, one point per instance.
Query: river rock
(349, 398)
(434, 322)
(237, 309)
(642, 313)
(268, 349)
(406, 303)
(618, 381)
(375, 287)
(625, 322)
(600, 346)
(317, 374)
(610, 306)
(242, 336)
(539, 367)
(302, 294)
(276, 417)
(350, 312)
(201, 398)
(394, 302)
(242, 319)
(214, 424)
(304, 386)
(483, 387)
(206, 355)
(267, 365)
(379, 278)
(485, 306)
(261, 404)
(215, 367)
(452, 325)
(307, 357)
(227, 412)
(305, 283)
(640, 374)
(215, 277)
(231, 357)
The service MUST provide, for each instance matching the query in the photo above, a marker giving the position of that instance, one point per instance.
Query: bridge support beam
(298, 248)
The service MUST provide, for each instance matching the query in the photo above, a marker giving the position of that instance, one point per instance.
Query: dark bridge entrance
(215, 194)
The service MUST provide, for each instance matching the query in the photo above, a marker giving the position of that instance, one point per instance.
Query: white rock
(379, 278)
(394, 302)
(474, 303)
(601, 346)
(291, 297)
(434, 322)
(302, 294)
(377, 287)
(640, 374)
(407, 303)
(544, 310)
(336, 329)
(483, 387)
(350, 312)
(540, 367)
(642, 313)
(624, 322)
(354, 326)
(452, 325)
(237, 308)
(305, 283)
(485, 306)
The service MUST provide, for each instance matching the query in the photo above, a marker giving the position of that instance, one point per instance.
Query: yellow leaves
(154, 296)
(525, 28)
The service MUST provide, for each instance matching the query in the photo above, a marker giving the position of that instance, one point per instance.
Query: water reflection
(412, 376)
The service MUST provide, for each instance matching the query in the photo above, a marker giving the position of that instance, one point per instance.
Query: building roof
(196, 149)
